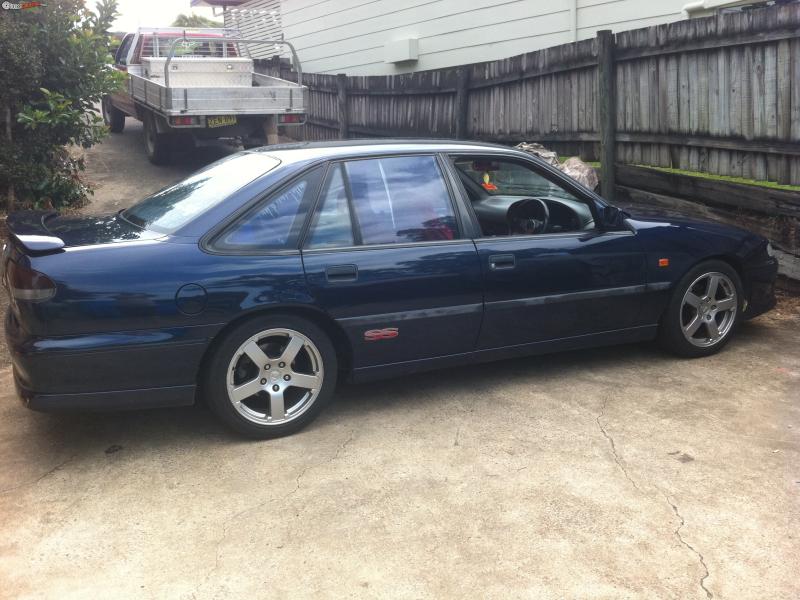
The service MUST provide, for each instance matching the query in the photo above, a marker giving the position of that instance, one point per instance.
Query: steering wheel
(527, 216)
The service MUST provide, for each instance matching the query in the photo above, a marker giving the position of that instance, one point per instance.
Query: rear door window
(393, 200)
(332, 225)
(401, 199)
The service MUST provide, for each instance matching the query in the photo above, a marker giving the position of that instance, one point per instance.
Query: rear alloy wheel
(271, 376)
(704, 310)
(157, 145)
(113, 117)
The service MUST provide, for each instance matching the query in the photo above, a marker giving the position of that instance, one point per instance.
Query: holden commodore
(259, 281)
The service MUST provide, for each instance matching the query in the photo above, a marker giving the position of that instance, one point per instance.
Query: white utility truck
(192, 86)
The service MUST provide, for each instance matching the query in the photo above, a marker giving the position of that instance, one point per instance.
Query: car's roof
(288, 153)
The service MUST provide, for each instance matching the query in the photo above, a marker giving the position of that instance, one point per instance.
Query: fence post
(341, 89)
(461, 104)
(607, 111)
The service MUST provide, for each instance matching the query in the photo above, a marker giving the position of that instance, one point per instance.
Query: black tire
(113, 117)
(158, 146)
(671, 329)
(214, 380)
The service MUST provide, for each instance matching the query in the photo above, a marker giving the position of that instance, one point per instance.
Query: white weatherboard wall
(348, 36)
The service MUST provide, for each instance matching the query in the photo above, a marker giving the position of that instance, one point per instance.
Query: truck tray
(266, 95)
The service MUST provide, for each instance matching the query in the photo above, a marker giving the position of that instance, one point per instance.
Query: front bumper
(760, 286)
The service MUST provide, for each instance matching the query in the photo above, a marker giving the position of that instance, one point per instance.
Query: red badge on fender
(374, 335)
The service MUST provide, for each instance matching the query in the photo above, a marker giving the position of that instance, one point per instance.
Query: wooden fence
(719, 94)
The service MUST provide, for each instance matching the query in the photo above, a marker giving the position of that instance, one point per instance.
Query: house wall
(348, 36)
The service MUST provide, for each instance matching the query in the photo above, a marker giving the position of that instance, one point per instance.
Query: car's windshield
(174, 206)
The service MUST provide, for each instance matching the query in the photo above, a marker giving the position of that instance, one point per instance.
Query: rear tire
(157, 145)
(113, 117)
(704, 310)
(270, 376)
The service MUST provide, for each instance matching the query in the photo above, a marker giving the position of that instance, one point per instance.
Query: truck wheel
(157, 145)
(113, 117)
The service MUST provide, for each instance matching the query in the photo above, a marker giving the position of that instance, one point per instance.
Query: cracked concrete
(621, 465)
(690, 547)
(610, 473)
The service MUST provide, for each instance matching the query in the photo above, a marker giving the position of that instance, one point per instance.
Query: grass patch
(774, 185)
(765, 184)
(594, 164)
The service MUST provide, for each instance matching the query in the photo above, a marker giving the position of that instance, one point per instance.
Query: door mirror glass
(613, 217)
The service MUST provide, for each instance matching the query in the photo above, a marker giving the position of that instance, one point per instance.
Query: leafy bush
(55, 69)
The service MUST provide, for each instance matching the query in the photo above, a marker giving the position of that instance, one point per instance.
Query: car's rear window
(173, 207)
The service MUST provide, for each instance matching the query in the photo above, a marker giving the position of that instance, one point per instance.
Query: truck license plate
(221, 121)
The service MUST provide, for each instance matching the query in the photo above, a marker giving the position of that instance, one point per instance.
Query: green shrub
(55, 69)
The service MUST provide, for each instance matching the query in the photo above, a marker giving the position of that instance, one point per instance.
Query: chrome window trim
(385, 246)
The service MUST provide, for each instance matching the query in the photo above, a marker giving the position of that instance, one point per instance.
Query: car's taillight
(291, 118)
(29, 285)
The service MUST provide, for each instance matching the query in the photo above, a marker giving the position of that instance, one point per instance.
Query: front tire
(113, 117)
(704, 310)
(270, 376)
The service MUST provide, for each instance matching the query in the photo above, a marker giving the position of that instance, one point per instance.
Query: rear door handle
(341, 273)
(498, 262)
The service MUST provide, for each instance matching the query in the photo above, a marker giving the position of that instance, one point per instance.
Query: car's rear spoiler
(27, 228)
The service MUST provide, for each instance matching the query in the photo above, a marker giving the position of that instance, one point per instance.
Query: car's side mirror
(612, 217)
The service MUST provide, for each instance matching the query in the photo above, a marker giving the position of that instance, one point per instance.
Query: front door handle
(498, 262)
(341, 273)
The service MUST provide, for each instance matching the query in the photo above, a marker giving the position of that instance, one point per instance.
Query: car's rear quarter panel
(115, 324)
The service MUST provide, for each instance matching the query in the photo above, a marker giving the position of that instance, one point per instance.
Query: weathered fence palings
(719, 94)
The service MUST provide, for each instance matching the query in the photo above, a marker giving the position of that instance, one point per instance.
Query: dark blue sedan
(259, 281)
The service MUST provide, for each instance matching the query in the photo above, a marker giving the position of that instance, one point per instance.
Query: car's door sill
(605, 338)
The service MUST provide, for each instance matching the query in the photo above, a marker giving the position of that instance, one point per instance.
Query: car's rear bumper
(123, 370)
(760, 280)
(102, 401)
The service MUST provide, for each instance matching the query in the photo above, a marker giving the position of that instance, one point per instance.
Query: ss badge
(374, 335)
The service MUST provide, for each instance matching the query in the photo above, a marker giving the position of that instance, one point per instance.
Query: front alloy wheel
(704, 310)
(709, 309)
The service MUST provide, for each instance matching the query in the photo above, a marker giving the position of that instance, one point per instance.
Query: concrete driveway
(613, 473)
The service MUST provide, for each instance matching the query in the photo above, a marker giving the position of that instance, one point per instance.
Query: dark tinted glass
(176, 205)
(332, 226)
(401, 199)
(276, 223)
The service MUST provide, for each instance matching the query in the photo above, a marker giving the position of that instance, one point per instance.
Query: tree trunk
(10, 195)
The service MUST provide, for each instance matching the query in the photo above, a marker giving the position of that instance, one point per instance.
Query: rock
(574, 166)
(546, 155)
(581, 172)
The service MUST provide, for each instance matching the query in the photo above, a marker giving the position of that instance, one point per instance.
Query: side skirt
(605, 338)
